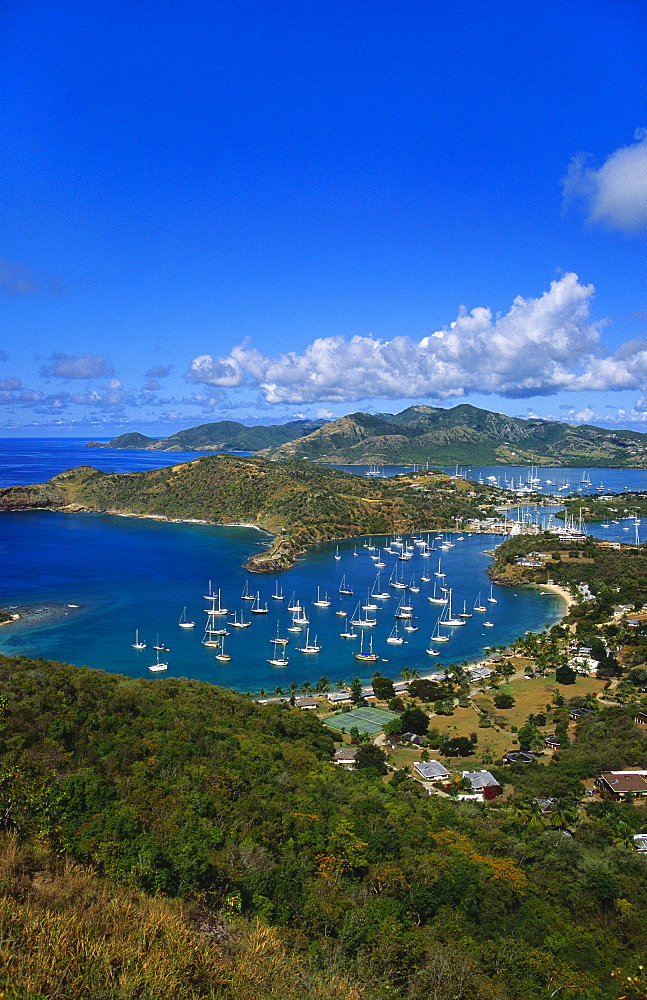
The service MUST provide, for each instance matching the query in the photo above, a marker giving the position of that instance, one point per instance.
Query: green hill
(222, 435)
(467, 435)
(168, 838)
(298, 502)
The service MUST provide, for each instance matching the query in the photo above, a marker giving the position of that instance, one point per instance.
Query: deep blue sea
(85, 583)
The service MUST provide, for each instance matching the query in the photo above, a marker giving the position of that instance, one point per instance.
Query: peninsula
(298, 503)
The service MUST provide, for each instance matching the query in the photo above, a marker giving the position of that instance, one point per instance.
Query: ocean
(84, 584)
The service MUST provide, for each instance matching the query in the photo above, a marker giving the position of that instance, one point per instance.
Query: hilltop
(463, 434)
(298, 502)
(222, 435)
(467, 435)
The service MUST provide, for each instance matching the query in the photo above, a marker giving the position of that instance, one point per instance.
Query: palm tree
(306, 687)
(293, 687)
(527, 813)
(564, 814)
(405, 674)
(278, 691)
(342, 685)
(262, 693)
(322, 686)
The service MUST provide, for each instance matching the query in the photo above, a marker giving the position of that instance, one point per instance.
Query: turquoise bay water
(132, 573)
(126, 574)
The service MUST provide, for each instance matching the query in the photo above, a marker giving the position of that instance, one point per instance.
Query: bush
(503, 700)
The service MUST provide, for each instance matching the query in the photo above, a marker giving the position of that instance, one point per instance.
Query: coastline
(554, 588)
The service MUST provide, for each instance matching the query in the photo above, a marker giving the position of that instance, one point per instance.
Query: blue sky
(254, 210)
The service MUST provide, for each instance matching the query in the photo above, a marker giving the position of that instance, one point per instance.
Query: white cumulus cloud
(615, 194)
(540, 346)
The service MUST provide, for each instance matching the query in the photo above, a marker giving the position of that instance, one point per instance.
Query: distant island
(419, 435)
(297, 502)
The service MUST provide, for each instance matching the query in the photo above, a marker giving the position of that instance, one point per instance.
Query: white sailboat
(437, 635)
(294, 603)
(477, 603)
(279, 659)
(239, 622)
(246, 596)
(337, 556)
(448, 618)
(394, 637)
(137, 644)
(343, 586)
(216, 607)
(413, 586)
(309, 647)
(492, 599)
(184, 622)
(437, 598)
(362, 622)
(221, 655)
(278, 593)
(157, 667)
(464, 613)
(348, 634)
(376, 592)
(395, 580)
(439, 571)
(257, 608)
(321, 602)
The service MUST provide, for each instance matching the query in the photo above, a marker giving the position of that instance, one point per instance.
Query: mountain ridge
(463, 434)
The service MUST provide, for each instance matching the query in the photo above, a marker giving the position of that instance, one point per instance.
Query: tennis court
(367, 720)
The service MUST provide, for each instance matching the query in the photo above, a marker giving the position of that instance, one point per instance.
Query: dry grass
(68, 935)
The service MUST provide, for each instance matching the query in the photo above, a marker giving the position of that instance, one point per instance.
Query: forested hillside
(299, 502)
(362, 885)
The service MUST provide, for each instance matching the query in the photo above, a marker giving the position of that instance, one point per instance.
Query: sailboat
(337, 556)
(413, 586)
(343, 586)
(477, 603)
(376, 593)
(294, 603)
(183, 623)
(211, 631)
(309, 647)
(448, 619)
(395, 636)
(278, 593)
(464, 613)
(432, 651)
(157, 667)
(257, 608)
(369, 606)
(437, 599)
(321, 602)
(362, 622)
(137, 644)
(236, 623)
(437, 635)
(404, 610)
(279, 659)
(216, 607)
(492, 599)
(221, 655)
(348, 634)
(395, 581)
(246, 596)
(159, 645)
(410, 627)
(369, 657)
(439, 571)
